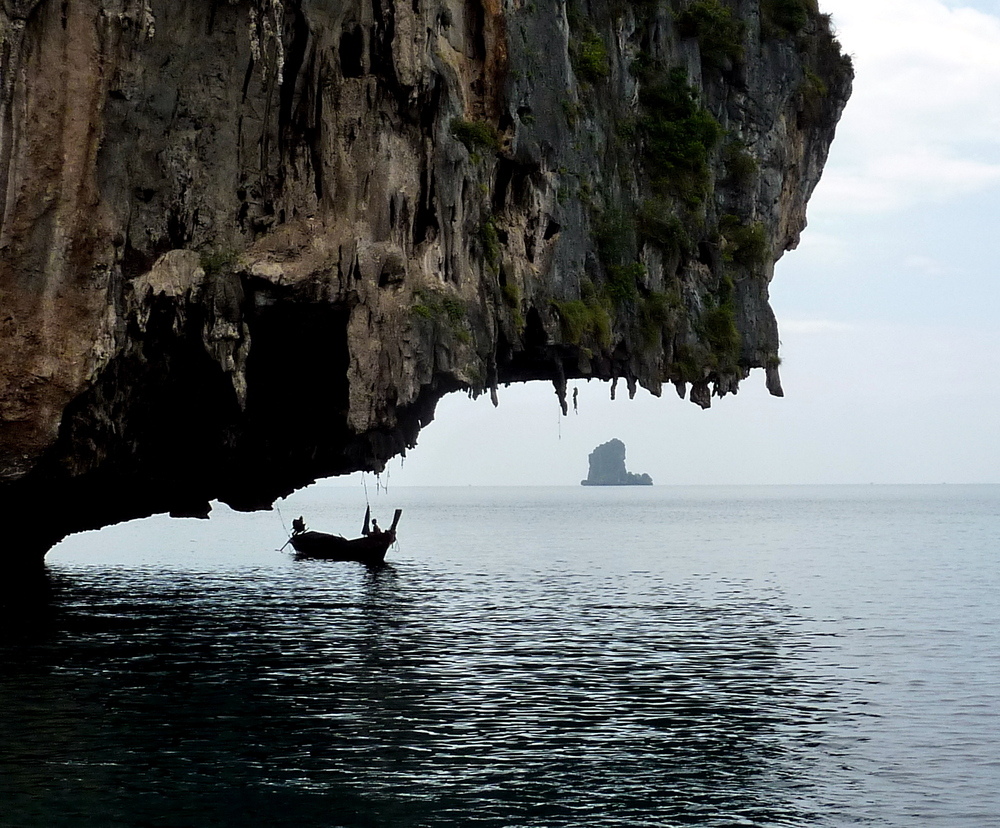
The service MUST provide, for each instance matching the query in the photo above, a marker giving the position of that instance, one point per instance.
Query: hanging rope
(288, 534)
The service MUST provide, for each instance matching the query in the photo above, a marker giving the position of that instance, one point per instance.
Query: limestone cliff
(607, 467)
(248, 243)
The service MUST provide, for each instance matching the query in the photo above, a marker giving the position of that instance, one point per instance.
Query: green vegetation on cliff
(587, 50)
(719, 34)
(478, 136)
(678, 134)
(782, 18)
(746, 244)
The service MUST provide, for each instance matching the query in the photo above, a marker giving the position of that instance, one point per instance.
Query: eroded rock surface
(246, 244)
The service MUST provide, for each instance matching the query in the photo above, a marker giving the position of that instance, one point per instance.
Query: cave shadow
(30, 605)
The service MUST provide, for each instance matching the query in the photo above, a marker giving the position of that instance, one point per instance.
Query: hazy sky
(888, 310)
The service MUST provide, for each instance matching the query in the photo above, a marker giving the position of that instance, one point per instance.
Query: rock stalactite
(250, 243)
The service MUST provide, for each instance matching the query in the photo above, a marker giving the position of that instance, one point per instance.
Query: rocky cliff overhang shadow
(250, 244)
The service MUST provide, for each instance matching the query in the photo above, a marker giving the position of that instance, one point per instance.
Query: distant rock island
(607, 467)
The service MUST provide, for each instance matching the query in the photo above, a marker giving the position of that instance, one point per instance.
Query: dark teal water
(531, 657)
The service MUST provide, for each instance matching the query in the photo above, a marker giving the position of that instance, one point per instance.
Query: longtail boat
(370, 548)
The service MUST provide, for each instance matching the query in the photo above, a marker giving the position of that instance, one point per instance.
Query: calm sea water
(802, 656)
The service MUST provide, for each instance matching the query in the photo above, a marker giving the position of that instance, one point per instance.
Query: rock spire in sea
(607, 467)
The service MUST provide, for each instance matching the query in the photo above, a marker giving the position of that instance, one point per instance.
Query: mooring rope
(288, 534)
(281, 517)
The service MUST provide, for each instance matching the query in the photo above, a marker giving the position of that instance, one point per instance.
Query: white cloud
(830, 247)
(926, 265)
(923, 124)
(813, 326)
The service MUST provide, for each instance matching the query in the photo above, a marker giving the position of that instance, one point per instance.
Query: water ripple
(708, 676)
(429, 699)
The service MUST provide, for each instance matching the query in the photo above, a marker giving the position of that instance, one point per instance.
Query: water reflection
(27, 605)
(404, 697)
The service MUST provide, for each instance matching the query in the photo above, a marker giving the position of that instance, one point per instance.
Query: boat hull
(369, 549)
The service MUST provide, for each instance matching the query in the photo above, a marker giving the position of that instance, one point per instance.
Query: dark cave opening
(297, 403)
(352, 50)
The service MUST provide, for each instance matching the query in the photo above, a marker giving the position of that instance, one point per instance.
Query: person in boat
(298, 526)
(375, 529)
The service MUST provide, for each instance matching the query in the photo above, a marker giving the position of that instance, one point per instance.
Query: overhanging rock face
(250, 243)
